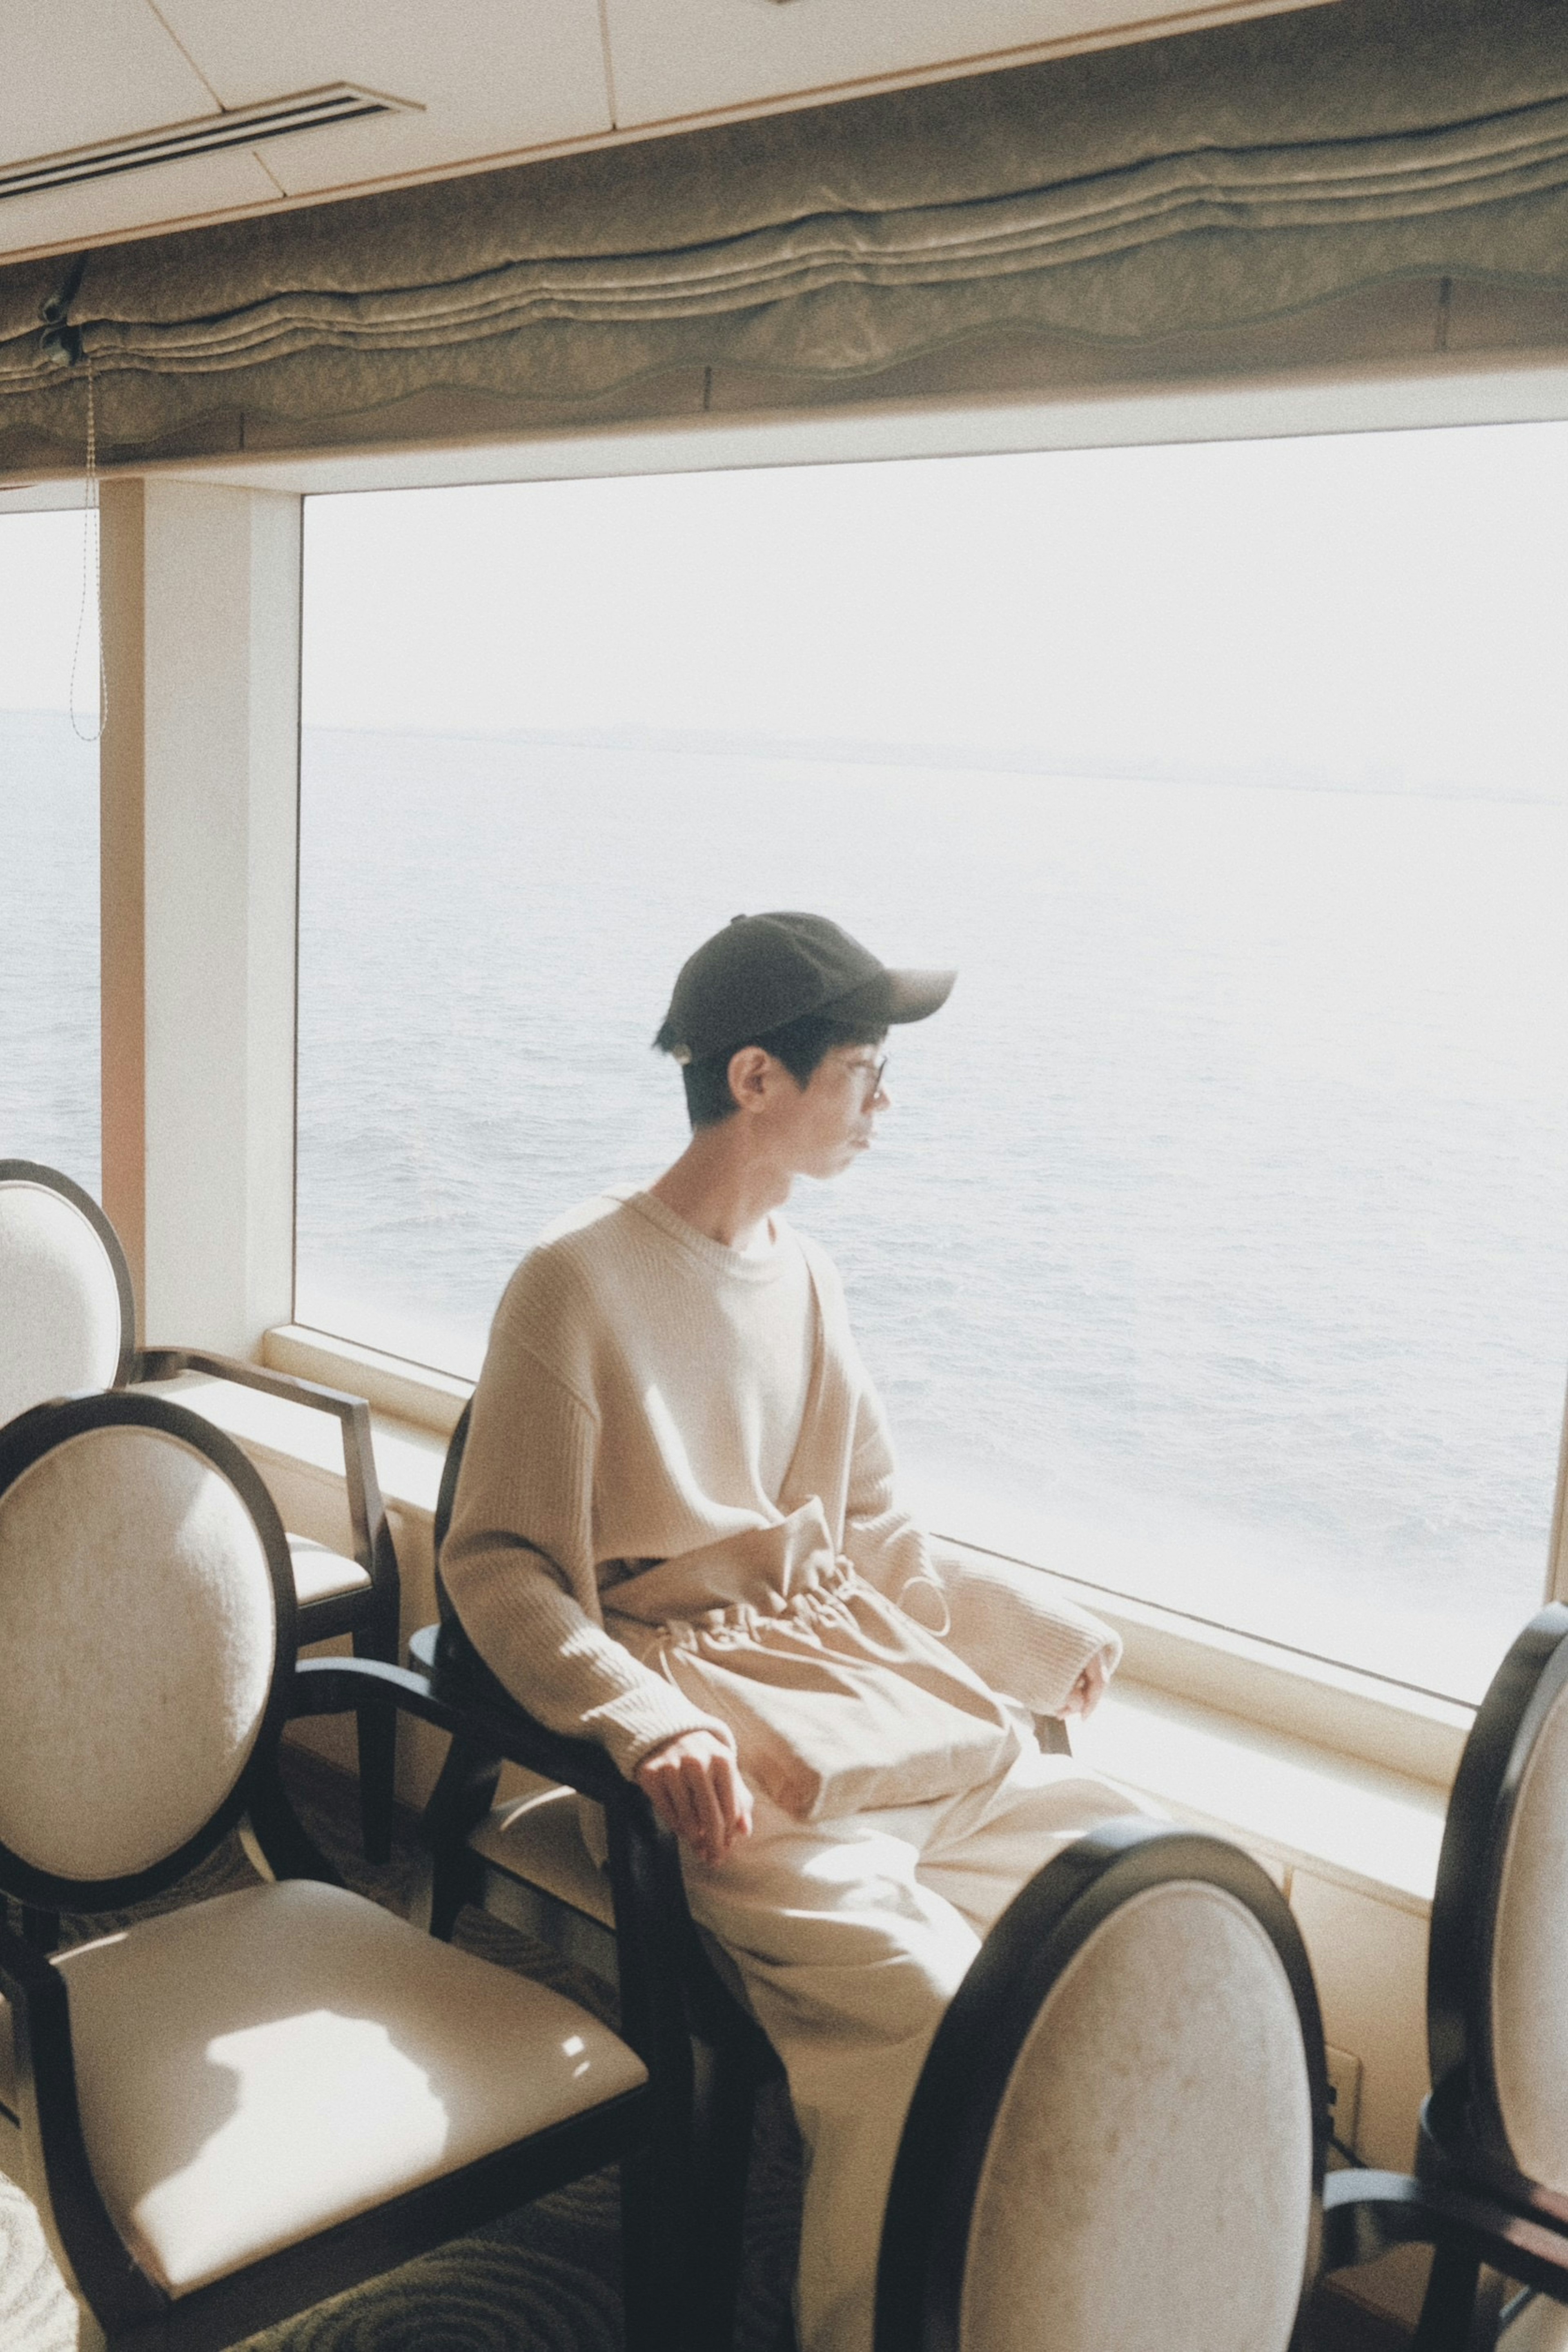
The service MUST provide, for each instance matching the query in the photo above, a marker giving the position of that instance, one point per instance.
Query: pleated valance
(1170, 207)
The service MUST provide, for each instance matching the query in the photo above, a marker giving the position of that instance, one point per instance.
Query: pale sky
(1382, 609)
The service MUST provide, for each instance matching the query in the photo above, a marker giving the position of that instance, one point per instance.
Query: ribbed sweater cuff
(1019, 1637)
(1052, 1662)
(634, 1723)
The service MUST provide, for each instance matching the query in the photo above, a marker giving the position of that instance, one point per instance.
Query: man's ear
(748, 1075)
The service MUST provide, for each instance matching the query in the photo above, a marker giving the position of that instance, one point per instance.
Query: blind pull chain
(92, 567)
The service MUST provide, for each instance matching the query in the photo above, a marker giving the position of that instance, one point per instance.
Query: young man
(678, 1532)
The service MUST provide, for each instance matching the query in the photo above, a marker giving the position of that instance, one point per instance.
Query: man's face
(819, 1128)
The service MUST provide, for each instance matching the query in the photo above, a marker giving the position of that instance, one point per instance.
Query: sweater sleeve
(518, 1563)
(999, 1617)
(1018, 1637)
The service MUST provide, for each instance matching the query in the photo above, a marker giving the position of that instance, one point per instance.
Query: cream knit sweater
(628, 1411)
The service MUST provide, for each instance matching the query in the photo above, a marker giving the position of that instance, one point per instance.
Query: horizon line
(1020, 760)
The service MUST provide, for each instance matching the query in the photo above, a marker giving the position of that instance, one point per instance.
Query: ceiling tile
(74, 71)
(493, 77)
(166, 196)
(675, 58)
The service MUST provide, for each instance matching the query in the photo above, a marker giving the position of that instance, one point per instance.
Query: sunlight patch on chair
(330, 2117)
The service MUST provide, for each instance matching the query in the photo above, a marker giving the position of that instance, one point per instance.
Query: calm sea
(49, 945)
(1214, 1246)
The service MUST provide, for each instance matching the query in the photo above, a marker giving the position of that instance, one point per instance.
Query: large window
(49, 849)
(1213, 1248)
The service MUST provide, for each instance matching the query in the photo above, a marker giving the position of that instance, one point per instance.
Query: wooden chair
(230, 2110)
(67, 1322)
(1490, 2187)
(524, 1859)
(1121, 2129)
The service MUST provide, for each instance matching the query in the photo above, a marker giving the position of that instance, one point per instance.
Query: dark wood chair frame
(370, 1616)
(41, 2142)
(727, 2058)
(1466, 2198)
(937, 2177)
(676, 2012)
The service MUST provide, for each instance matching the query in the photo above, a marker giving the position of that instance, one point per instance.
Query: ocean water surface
(1213, 1247)
(49, 945)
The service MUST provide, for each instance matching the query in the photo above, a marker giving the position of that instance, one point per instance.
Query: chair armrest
(669, 1987)
(663, 1970)
(367, 1512)
(1367, 2214)
(82, 2238)
(333, 1685)
(444, 1654)
(26, 1975)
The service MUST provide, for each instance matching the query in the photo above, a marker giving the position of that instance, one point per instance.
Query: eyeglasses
(871, 1073)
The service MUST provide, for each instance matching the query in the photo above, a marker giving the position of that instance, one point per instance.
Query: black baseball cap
(762, 971)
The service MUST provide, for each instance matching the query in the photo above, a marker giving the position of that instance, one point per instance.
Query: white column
(200, 801)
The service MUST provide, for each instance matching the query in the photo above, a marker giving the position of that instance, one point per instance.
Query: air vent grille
(209, 134)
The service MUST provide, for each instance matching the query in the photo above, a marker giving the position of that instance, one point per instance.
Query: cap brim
(894, 997)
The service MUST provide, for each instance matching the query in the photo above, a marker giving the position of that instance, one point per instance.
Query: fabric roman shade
(1367, 178)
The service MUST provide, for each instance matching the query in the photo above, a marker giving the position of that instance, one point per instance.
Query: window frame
(1359, 1713)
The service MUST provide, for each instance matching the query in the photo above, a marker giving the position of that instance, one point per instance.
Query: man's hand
(1089, 1688)
(695, 1787)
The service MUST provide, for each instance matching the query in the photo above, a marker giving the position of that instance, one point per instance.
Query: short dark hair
(801, 1045)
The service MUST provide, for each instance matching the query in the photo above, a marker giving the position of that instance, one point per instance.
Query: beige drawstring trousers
(851, 1935)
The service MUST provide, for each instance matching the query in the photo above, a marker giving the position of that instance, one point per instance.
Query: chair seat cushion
(254, 2068)
(535, 1837)
(321, 1574)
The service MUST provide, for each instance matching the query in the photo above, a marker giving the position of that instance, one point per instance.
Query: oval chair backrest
(146, 1610)
(1119, 2133)
(1498, 1986)
(66, 1318)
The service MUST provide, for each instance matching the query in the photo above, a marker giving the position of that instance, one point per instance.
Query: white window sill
(406, 1392)
(1293, 1803)
(1307, 1766)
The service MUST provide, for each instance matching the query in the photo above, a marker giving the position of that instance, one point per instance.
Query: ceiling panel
(676, 58)
(493, 80)
(172, 193)
(74, 71)
(493, 77)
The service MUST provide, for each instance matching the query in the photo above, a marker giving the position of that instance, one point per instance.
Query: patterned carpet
(541, 2280)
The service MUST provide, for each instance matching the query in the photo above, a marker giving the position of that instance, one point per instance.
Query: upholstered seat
(229, 2110)
(537, 1872)
(535, 1837)
(269, 2063)
(320, 1573)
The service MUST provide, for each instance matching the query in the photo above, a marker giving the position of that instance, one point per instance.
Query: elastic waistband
(743, 1618)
